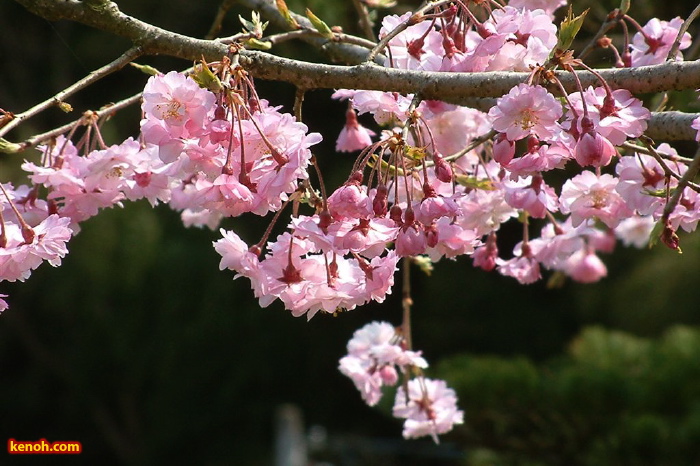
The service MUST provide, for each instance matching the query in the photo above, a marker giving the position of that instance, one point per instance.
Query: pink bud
(594, 149)
(389, 375)
(585, 267)
(431, 236)
(379, 203)
(503, 149)
(443, 171)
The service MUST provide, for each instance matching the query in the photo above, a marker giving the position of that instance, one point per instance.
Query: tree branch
(57, 99)
(448, 87)
(338, 52)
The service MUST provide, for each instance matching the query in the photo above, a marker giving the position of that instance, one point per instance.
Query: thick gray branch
(439, 86)
(449, 87)
(453, 87)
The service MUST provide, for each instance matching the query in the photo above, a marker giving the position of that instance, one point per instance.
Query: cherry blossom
(651, 45)
(588, 195)
(419, 47)
(374, 354)
(421, 192)
(18, 257)
(526, 110)
(635, 231)
(696, 126)
(548, 6)
(429, 407)
(523, 267)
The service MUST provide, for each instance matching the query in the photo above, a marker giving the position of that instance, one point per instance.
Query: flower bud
(503, 149)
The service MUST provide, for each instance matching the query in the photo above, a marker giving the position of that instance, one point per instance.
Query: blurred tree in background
(142, 350)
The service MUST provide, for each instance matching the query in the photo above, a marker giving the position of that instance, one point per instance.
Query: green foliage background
(141, 349)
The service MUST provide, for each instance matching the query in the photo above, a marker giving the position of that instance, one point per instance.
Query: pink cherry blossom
(532, 195)
(652, 46)
(485, 256)
(374, 352)
(548, 6)
(526, 110)
(350, 200)
(429, 407)
(19, 257)
(590, 196)
(452, 240)
(411, 241)
(503, 149)
(593, 149)
(514, 40)
(418, 47)
(484, 210)
(696, 126)
(523, 268)
(177, 101)
(540, 158)
(616, 116)
(642, 182)
(557, 243)
(383, 105)
(432, 208)
(236, 255)
(452, 129)
(635, 231)
(687, 213)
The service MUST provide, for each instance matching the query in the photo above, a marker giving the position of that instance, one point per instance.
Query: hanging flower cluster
(376, 356)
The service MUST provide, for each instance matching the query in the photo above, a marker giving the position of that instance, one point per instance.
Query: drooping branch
(449, 87)
(57, 99)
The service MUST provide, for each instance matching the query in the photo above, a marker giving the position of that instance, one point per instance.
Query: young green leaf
(568, 29)
(203, 76)
(321, 27)
(284, 11)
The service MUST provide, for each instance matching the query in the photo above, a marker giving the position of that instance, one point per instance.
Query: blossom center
(527, 119)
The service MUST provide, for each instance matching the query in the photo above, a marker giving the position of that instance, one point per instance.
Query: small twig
(219, 18)
(304, 33)
(406, 302)
(681, 32)
(94, 76)
(682, 183)
(364, 19)
(104, 112)
(298, 102)
(472, 145)
(415, 18)
(604, 29)
(644, 150)
(667, 170)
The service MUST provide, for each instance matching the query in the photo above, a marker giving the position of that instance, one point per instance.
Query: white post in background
(290, 439)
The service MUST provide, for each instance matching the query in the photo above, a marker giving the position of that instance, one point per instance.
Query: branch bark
(450, 87)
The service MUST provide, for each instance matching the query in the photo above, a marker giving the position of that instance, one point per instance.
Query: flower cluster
(30, 234)
(376, 356)
(614, 195)
(209, 155)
